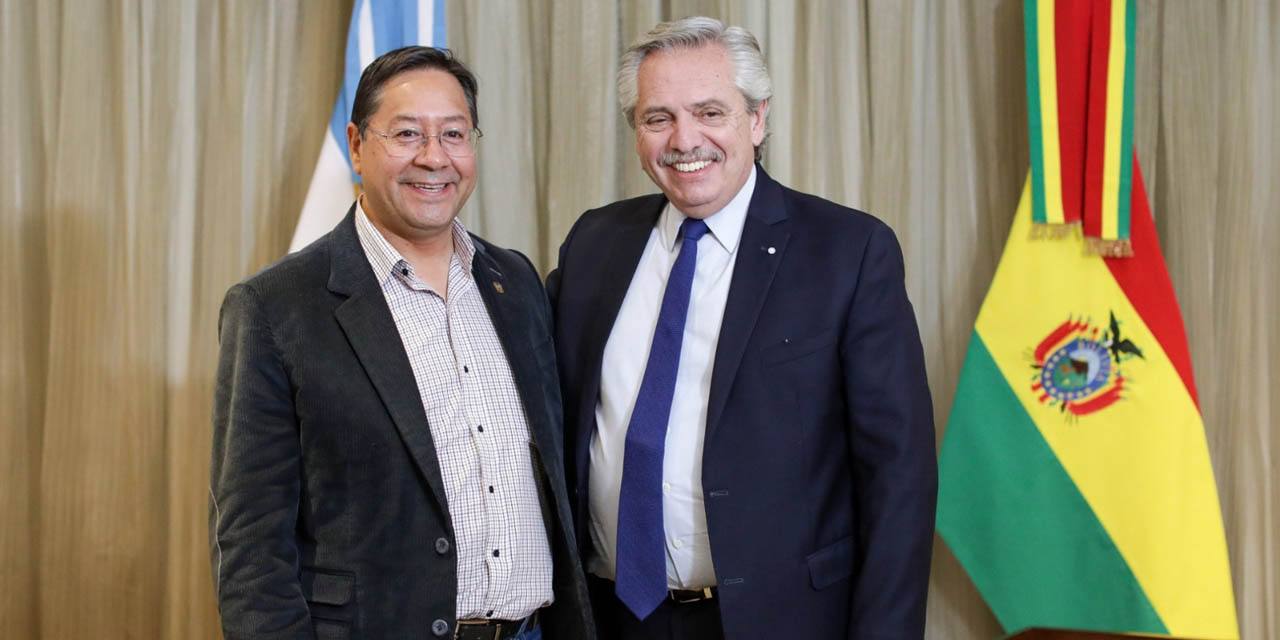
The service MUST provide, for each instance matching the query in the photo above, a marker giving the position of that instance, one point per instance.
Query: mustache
(697, 154)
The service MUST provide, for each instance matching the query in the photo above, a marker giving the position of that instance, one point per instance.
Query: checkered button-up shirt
(479, 429)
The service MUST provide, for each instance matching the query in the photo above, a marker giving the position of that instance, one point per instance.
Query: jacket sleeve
(892, 439)
(255, 480)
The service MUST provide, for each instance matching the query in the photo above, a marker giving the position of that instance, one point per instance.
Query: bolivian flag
(1076, 488)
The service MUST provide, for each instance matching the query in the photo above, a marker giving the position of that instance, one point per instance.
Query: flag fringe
(1055, 231)
(1109, 247)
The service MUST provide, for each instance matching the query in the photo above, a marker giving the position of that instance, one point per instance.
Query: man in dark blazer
(387, 449)
(788, 488)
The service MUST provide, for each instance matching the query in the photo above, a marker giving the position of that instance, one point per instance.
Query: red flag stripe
(1097, 148)
(1071, 31)
(1146, 283)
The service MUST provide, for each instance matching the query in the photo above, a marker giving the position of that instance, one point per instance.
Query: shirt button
(442, 546)
(480, 428)
(466, 369)
(495, 553)
(490, 488)
(677, 544)
(439, 627)
(666, 487)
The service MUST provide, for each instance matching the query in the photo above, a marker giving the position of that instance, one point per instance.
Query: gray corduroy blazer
(327, 512)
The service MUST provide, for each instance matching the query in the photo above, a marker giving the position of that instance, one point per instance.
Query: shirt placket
(487, 439)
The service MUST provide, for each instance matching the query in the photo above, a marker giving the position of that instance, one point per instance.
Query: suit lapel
(366, 320)
(761, 250)
(509, 311)
(625, 248)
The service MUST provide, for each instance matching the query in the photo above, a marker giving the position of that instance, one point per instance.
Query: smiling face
(694, 134)
(414, 197)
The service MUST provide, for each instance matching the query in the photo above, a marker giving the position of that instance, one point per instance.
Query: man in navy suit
(747, 414)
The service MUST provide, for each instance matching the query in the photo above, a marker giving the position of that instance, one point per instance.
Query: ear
(355, 144)
(759, 117)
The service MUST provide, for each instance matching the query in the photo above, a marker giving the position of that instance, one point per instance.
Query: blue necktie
(641, 552)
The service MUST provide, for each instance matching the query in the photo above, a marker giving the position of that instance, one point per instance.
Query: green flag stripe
(1126, 123)
(1019, 525)
(1031, 28)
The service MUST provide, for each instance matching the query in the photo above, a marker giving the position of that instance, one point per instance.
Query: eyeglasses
(408, 142)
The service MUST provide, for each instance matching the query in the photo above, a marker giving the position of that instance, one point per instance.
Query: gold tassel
(1109, 248)
(1041, 231)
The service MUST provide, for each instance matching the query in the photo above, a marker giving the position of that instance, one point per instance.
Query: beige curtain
(159, 150)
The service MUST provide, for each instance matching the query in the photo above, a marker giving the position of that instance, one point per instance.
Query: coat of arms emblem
(1079, 366)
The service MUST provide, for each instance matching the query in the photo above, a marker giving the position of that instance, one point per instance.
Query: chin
(693, 201)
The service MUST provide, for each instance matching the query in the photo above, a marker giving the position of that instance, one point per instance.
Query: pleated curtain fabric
(159, 151)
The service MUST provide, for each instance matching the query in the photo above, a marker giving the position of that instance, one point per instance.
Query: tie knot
(693, 229)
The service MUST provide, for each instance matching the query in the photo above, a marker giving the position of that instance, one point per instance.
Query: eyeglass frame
(474, 133)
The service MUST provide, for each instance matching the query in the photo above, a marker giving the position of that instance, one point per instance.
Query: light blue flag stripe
(395, 25)
(437, 25)
(385, 15)
(350, 79)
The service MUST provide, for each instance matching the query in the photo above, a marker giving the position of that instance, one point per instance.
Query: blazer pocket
(330, 630)
(793, 348)
(831, 563)
(329, 594)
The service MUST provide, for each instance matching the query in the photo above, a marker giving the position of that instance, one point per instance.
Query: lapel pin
(497, 286)
(771, 250)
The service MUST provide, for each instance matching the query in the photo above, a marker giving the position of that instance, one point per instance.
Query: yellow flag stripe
(1114, 154)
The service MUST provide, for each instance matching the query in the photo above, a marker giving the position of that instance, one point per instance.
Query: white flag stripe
(332, 190)
(426, 13)
(366, 34)
(330, 186)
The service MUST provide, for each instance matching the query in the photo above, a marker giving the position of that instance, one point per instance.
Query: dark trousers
(670, 621)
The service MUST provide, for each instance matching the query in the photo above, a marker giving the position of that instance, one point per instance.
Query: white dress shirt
(625, 356)
(478, 427)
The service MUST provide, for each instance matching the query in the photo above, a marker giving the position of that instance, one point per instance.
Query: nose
(685, 134)
(432, 155)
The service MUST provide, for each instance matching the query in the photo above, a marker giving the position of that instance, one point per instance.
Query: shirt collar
(725, 225)
(384, 258)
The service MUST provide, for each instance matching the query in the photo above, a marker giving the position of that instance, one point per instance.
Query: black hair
(395, 62)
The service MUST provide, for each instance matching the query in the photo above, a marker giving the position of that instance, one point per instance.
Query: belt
(493, 629)
(687, 596)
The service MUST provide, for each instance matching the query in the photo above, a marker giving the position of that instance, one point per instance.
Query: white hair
(750, 73)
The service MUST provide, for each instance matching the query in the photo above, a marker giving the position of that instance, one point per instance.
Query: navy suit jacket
(819, 470)
(327, 513)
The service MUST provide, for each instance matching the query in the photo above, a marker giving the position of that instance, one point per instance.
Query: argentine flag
(377, 26)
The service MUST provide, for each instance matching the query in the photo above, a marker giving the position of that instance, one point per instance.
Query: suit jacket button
(439, 627)
(442, 546)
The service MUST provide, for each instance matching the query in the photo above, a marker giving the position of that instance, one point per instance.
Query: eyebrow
(412, 119)
(653, 110)
(710, 103)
